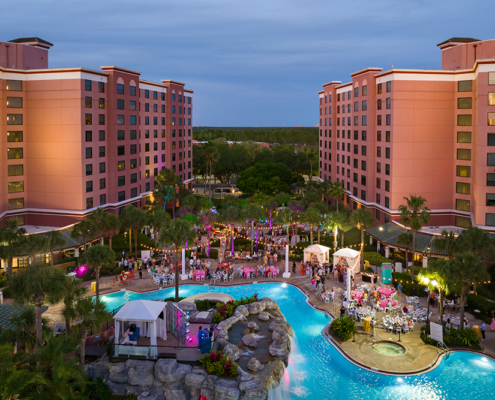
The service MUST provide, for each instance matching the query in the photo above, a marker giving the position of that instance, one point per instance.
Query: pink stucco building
(75, 139)
(389, 134)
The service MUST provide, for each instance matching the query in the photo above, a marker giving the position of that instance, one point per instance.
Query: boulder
(171, 373)
(175, 394)
(269, 304)
(256, 307)
(243, 310)
(117, 372)
(222, 343)
(58, 328)
(208, 388)
(264, 316)
(280, 324)
(253, 390)
(98, 369)
(249, 341)
(254, 365)
(186, 306)
(195, 378)
(271, 375)
(152, 394)
(253, 325)
(120, 389)
(140, 372)
(226, 390)
(232, 351)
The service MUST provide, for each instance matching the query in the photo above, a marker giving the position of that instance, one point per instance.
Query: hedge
(477, 302)
(213, 254)
(401, 277)
(215, 243)
(409, 287)
(375, 258)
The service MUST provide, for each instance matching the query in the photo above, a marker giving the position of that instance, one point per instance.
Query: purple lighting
(81, 270)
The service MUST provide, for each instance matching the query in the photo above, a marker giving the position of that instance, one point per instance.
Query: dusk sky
(250, 63)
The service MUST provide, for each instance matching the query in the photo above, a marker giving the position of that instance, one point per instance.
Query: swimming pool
(317, 371)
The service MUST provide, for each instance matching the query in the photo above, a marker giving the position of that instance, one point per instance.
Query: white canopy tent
(149, 316)
(318, 253)
(350, 258)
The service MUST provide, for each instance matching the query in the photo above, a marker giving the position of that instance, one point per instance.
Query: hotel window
(387, 202)
(364, 105)
(88, 102)
(102, 168)
(354, 191)
(387, 136)
(120, 120)
(133, 149)
(363, 135)
(146, 133)
(378, 120)
(464, 86)
(356, 106)
(101, 136)
(387, 186)
(133, 163)
(363, 150)
(146, 107)
(490, 139)
(133, 178)
(120, 135)
(378, 151)
(120, 88)
(101, 119)
(490, 159)
(491, 118)
(173, 156)
(15, 204)
(462, 222)
(378, 184)
(14, 102)
(121, 181)
(465, 120)
(120, 165)
(378, 167)
(379, 136)
(173, 96)
(155, 108)
(14, 119)
(155, 171)
(491, 78)
(101, 87)
(463, 154)
(364, 119)
(133, 192)
(387, 169)
(379, 104)
(15, 170)
(147, 160)
(121, 196)
(464, 171)
(89, 169)
(155, 146)
(132, 90)
(490, 200)
(363, 195)
(89, 152)
(15, 153)
(388, 119)
(16, 187)
(147, 187)
(463, 188)
(356, 135)
(355, 177)
(155, 95)
(147, 173)
(378, 198)
(463, 137)
(388, 103)
(120, 104)
(16, 86)
(364, 90)
(363, 180)
(146, 147)
(89, 186)
(146, 120)
(132, 105)
(363, 165)
(389, 86)
(354, 162)
(102, 151)
(356, 92)
(146, 94)
(155, 120)
(356, 120)
(464, 102)
(387, 152)
(120, 150)
(101, 103)
(133, 134)
(14, 136)
(132, 120)
(462, 205)
(89, 202)
(490, 219)
(87, 85)
(490, 179)
(103, 199)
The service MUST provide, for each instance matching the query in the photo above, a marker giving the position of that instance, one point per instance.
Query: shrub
(213, 253)
(215, 243)
(454, 338)
(369, 248)
(205, 305)
(173, 298)
(344, 328)
(414, 289)
(225, 311)
(401, 277)
(477, 302)
(375, 258)
(3, 280)
(219, 364)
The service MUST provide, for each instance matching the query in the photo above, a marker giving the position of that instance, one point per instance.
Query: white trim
(348, 88)
(321, 95)
(80, 75)
(152, 87)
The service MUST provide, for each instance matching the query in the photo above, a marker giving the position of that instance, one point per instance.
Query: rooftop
(30, 40)
(7, 311)
(459, 40)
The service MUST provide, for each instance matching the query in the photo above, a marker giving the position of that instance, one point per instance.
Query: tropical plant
(133, 219)
(38, 284)
(466, 269)
(436, 276)
(362, 219)
(35, 244)
(475, 240)
(469, 337)
(73, 291)
(13, 240)
(313, 218)
(157, 219)
(211, 154)
(168, 188)
(414, 214)
(177, 233)
(229, 215)
(112, 226)
(405, 239)
(91, 315)
(254, 213)
(284, 217)
(54, 239)
(83, 228)
(312, 156)
(336, 191)
(219, 364)
(343, 327)
(97, 257)
(345, 223)
(447, 242)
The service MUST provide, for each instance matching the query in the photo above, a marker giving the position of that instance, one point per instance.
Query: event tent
(352, 259)
(318, 252)
(149, 316)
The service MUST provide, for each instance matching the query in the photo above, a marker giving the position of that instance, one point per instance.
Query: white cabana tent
(149, 316)
(317, 252)
(350, 258)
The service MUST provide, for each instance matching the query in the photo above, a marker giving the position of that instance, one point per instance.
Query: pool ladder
(443, 349)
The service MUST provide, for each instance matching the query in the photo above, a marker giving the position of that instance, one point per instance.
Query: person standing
(482, 329)
(140, 273)
(342, 311)
(201, 333)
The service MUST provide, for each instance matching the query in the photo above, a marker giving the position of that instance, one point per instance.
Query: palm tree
(436, 276)
(178, 232)
(96, 257)
(253, 212)
(54, 239)
(112, 226)
(91, 315)
(169, 185)
(99, 219)
(345, 224)
(362, 219)
(83, 228)
(283, 218)
(157, 219)
(212, 155)
(229, 216)
(414, 214)
(465, 269)
(311, 156)
(475, 240)
(13, 242)
(37, 284)
(405, 239)
(448, 243)
(336, 191)
(35, 244)
(134, 219)
(72, 293)
(333, 224)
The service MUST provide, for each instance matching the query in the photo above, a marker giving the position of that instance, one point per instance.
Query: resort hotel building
(75, 139)
(389, 134)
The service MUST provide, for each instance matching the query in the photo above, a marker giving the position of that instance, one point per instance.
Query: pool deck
(418, 357)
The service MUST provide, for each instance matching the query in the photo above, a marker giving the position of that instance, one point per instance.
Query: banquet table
(384, 303)
(199, 273)
(358, 294)
(386, 292)
(477, 329)
(274, 271)
(247, 271)
(367, 324)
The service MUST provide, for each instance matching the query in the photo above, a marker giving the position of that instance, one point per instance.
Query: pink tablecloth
(247, 271)
(386, 292)
(274, 271)
(357, 294)
(198, 273)
(384, 303)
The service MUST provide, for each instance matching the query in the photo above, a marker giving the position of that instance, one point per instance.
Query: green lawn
(120, 242)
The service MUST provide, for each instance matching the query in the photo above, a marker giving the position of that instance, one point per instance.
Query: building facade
(75, 139)
(389, 134)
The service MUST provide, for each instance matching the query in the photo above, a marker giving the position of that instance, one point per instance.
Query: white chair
(225, 279)
(231, 278)
(203, 277)
(198, 278)
(269, 275)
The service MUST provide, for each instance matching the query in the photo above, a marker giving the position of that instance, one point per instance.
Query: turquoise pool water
(317, 371)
